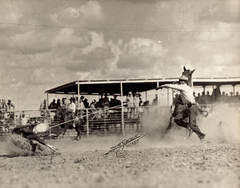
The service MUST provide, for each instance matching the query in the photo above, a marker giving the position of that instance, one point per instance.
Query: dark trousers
(189, 120)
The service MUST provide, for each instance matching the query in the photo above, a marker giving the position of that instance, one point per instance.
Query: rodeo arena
(165, 132)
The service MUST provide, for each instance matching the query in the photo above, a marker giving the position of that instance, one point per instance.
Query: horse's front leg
(78, 137)
(65, 129)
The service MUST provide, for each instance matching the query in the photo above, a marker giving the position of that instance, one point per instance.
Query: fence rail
(98, 121)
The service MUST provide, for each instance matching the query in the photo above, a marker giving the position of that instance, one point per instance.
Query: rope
(82, 116)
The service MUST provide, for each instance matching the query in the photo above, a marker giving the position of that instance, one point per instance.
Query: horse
(188, 73)
(70, 120)
(185, 119)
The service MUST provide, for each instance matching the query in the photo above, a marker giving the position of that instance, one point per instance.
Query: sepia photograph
(120, 93)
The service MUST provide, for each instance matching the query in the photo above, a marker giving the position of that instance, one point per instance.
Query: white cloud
(66, 38)
(96, 41)
(141, 53)
(10, 12)
(234, 6)
(31, 42)
(91, 9)
(42, 76)
(217, 32)
(83, 14)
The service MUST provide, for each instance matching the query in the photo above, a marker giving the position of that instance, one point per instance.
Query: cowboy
(27, 132)
(186, 108)
(71, 109)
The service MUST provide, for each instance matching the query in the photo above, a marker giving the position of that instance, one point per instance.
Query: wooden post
(78, 93)
(234, 90)
(87, 122)
(46, 112)
(122, 109)
(47, 102)
(204, 90)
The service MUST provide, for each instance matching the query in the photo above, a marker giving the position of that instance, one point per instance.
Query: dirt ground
(150, 163)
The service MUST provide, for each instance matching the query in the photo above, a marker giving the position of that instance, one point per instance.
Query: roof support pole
(122, 109)
(233, 89)
(47, 102)
(204, 89)
(157, 92)
(78, 93)
(87, 123)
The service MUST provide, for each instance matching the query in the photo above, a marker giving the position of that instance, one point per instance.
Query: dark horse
(187, 113)
(68, 120)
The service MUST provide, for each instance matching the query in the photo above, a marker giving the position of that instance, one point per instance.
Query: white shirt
(24, 121)
(72, 107)
(185, 91)
(81, 105)
(130, 101)
(136, 101)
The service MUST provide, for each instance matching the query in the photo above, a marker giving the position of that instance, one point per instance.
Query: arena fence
(115, 120)
(100, 121)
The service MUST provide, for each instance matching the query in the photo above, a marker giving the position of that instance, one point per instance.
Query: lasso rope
(71, 120)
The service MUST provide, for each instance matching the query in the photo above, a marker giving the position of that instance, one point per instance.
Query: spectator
(155, 100)
(23, 119)
(130, 105)
(4, 105)
(114, 101)
(58, 103)
(86, 103)
(65, 103)
(10, 106)
(105, 101)
(80, 105)
(136, 101)
(198, 98)
(208, 98)
(43, 105)
(53, 104)
(216, 94)
(93, 103)
(105, 104)
(71, 106)
(100, 101)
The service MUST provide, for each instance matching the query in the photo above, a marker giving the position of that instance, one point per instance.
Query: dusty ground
(151, 163)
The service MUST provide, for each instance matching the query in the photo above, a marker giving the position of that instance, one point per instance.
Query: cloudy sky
(50, 42)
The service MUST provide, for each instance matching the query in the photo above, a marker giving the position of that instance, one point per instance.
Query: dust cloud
(222, 124)
(155, 121)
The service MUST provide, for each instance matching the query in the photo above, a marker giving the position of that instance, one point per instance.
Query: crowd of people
(132, 103)
(207, 98)
(6, 111)
(83, 102)
(6, 105)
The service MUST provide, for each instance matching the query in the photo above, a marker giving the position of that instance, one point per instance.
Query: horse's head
(188, 73)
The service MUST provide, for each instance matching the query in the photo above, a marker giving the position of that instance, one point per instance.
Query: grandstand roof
(95, 87)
